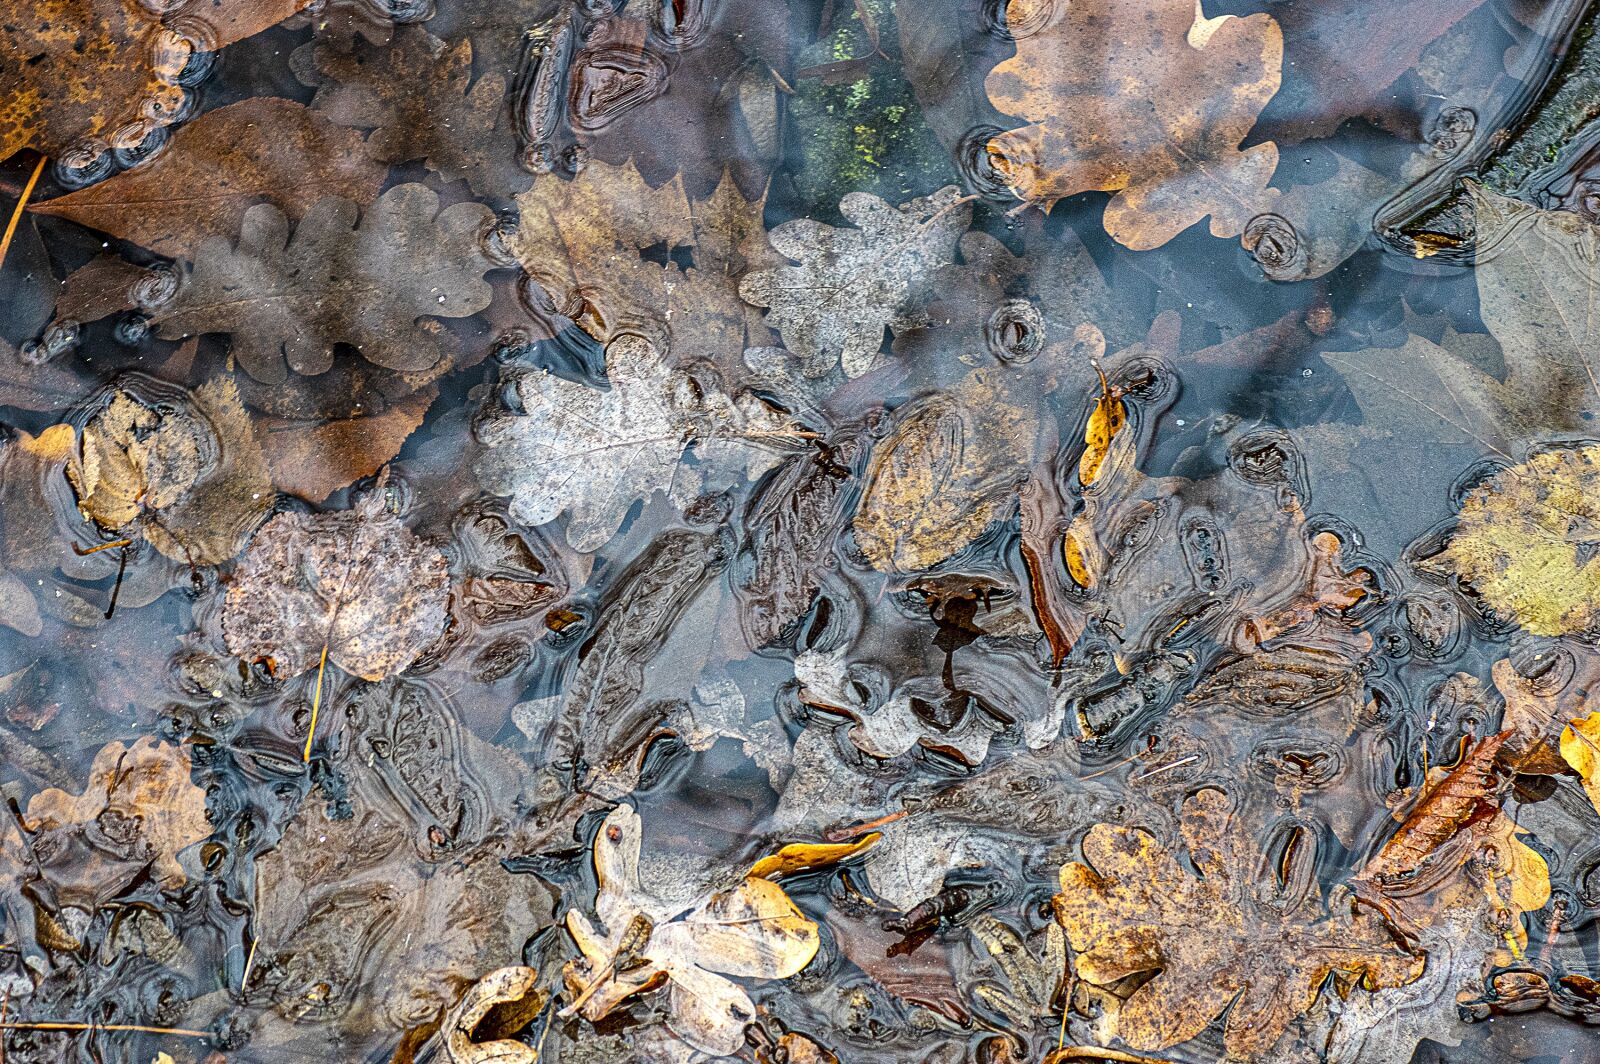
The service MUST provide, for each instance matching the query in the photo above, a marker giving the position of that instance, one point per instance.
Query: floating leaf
(1580, 748)
(355, 585)
(1213, 945)
(262, 150)
(1148, 99)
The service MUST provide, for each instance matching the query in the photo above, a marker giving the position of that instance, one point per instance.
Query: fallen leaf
(1580, 748)
(261, 150)
(1523, 542)
(751, 931)
(417, 95)
(354, 584)
(478, 1029)
(288, 300)
(1149, 100)
(799, 857)
(1216, 942)
(590, 453)
(581, 240)
(315, 460)
(74, 69)
(848, 285)
(183, 471)
(138, 810)
(1108, 418)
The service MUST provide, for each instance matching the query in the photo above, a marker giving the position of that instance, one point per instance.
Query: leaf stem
(316, 704)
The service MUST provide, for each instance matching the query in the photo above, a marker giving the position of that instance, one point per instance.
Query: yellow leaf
(808, 856)
(1108, 418)
(1580, 747)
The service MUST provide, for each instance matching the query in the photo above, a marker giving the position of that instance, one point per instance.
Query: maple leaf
(417, 96)
(354, 585)
(1219, 942)
(183, 471)
(287, 300)
(262, 150)
(581, 240)
(1147, 99)
(751, 930)
(590, 453)
(848, 285)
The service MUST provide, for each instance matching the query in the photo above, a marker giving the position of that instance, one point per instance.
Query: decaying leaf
(1109, 416)
(262, 150)
(287, 300)
(581, 240)
(315, 460)
(1524, 541)
(138, 810)
(478, 1028)
(183, 471)
(1149, 100)
(355, 584)
(1223, 944)
(414, 94)
(848, 285)
(751, 931)
(591, 453)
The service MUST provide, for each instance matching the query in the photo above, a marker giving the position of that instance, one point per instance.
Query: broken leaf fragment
(355, 584)
(1526, 542)
(750, 931)
(1580, 748)
(478, 1029)
(1147, 99)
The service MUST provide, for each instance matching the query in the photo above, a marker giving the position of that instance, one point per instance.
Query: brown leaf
(262, 150)
(355, 582)
(1144, 98)
(182, 470)
(478, 1029)
(315, 460)
(137, 810)
(417, 96)
(1132, 909)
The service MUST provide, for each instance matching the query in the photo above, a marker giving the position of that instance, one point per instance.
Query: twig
(1096, 1053)
(841, 834)
(316, 703)
(82, 553)
(22, 204)
(18, 1025)
(116, 588)
(249, 961)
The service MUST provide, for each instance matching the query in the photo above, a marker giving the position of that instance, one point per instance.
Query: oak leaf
(183, 471)
(581, 240)
(1149, 100)
(287, 300)
(1217, 938)
(590, 453)
(262, 150)
(847, 285)
(354, 584)
(417, 96)
(1524, 541)
(138, 810)
(751, 931)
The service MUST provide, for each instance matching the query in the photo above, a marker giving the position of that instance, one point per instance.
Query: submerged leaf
(287, 300)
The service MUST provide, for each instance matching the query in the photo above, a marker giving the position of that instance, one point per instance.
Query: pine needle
(22, 204)
(18, 1025)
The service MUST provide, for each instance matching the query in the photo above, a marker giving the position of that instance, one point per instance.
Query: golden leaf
(1580, 748)
(809, 856)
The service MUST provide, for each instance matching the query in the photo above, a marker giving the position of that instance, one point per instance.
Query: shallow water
(1116, 482)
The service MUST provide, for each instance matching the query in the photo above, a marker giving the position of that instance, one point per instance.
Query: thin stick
(244, 980)
(20, 1026)
(316, 702)
(116, 588)
(22, 203)
(857, 830)
(82, 553)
